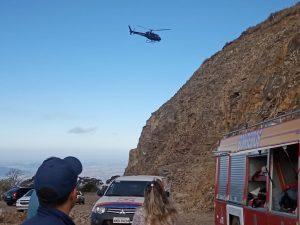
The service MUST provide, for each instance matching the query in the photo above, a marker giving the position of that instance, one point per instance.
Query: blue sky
(73, 81)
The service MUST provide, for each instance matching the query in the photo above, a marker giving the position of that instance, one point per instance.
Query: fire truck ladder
(265, 123)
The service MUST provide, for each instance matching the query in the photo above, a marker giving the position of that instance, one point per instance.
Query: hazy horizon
(98, 165)
(81, 153)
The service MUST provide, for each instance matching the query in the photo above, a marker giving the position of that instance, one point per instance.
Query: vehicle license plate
(121, 220)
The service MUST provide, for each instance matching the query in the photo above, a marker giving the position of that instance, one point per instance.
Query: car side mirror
(101, 191)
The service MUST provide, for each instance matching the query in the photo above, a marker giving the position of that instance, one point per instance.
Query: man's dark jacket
(49, 216)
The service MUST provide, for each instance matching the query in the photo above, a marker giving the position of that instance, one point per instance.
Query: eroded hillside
(255, 77)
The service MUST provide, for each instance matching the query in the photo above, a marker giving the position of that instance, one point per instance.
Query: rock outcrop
(253, 78)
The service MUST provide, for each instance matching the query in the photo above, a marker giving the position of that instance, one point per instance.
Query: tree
(4, 186)
(14, 177)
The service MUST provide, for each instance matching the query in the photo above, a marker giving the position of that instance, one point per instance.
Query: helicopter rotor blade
(161, 29)
(147, 28)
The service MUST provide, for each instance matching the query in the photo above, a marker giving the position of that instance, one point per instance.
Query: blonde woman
(157, 209)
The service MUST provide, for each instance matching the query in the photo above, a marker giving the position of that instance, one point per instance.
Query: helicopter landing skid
(149, 41)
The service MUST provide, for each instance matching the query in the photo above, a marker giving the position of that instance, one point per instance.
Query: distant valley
(97, 169)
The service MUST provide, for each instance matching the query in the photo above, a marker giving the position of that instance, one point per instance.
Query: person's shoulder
(31, 221)
(139, 209)
(37, 220)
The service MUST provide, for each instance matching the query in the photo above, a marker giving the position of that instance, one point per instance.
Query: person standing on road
(55, 185)
(157, 209)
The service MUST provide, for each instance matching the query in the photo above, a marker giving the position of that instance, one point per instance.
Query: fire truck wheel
(235, 221)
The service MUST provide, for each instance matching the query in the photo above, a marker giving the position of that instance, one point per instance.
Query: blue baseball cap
(57, 175)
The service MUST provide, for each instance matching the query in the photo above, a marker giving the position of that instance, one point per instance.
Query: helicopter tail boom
(130, 30)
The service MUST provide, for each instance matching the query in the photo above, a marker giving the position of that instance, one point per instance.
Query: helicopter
(150, 35)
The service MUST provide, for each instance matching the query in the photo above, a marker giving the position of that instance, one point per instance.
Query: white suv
(23, 202)
(120, 200)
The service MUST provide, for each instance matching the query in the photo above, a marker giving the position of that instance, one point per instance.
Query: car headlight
(100, 209)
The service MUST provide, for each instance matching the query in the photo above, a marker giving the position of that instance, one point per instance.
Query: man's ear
(73, 194)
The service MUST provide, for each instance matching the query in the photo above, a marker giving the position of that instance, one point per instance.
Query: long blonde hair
(158, 209)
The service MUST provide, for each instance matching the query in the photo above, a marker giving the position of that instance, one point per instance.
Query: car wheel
(9, 203)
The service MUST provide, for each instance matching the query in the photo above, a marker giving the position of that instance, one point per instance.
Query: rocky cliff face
(255, 77)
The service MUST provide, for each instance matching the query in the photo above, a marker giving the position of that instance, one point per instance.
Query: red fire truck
(257, 170)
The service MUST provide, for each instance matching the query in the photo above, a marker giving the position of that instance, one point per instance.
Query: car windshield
(29, 193)
(127, 188)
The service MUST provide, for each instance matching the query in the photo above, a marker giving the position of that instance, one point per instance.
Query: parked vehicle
(12, 195)
(119, 201)
(80, 198)
(257, 174)
(23, 202)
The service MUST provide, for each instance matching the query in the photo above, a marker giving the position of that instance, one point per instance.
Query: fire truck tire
(235, 221)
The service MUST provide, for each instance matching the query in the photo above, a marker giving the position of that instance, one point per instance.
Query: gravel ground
(81, 214)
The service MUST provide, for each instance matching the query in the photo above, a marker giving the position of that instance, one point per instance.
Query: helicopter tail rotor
(130, 30)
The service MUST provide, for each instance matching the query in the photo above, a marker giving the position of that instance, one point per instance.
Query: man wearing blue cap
(55, 185)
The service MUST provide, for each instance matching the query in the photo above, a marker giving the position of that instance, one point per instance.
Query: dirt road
(81, 214)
